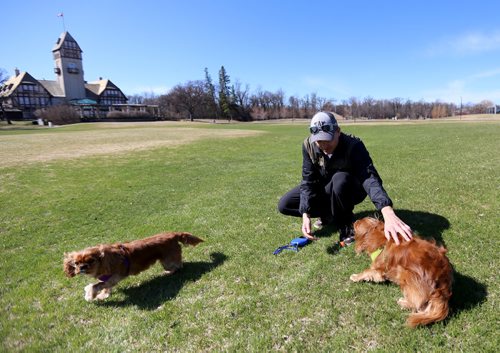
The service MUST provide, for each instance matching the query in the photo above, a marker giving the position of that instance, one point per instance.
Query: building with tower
(21, 95)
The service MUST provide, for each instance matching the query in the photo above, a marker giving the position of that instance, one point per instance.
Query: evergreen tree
(209, 86)
(224, 93)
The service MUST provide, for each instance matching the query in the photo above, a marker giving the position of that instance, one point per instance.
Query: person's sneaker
(346, 235)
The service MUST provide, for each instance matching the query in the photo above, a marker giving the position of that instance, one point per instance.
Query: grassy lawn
(233, 293)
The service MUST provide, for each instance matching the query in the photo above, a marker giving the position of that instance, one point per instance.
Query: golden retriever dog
(418, 266)
(110, 263)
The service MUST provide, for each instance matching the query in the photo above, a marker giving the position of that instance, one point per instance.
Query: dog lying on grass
(110, 263)
(418, 266)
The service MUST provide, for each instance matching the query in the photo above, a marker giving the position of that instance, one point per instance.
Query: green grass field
(233, 293)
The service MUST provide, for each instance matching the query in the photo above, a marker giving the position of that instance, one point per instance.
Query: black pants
(337, 201)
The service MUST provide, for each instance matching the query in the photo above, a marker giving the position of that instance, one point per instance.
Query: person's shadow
(467, 291)
(151, 294)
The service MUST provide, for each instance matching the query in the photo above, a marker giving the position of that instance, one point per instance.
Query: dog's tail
(188, 239)
(436, 310)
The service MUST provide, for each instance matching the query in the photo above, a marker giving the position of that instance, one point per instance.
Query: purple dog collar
(104, 278)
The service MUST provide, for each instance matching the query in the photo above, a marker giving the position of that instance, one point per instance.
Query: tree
(135, 99)
(190, 98)
(481, 107)
(224, 93)
(353, 102)
(396, 106)
(210, 89)
(242, 95)
(294, 106)
(3, 114)
(3, 76)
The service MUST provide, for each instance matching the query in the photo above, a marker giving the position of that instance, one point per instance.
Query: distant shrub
(58, 115)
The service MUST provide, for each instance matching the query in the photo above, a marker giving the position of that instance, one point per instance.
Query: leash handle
(286, 247)
(293, 245)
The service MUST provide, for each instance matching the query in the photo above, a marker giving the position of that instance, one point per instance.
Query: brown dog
(418, 266)
(110, 263)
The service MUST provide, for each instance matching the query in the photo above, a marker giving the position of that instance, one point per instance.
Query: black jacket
(350, 156)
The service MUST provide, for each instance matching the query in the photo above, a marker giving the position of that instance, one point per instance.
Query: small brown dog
(418, 266)
(110, 263)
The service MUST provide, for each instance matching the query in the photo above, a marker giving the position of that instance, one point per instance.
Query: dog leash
(294, 245)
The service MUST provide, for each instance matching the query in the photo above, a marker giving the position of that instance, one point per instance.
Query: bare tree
(135, 99)
(187, 98)
(481, 107)
(3, 114)
(242, 95)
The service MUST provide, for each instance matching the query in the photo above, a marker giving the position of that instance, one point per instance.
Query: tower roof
(65, 37)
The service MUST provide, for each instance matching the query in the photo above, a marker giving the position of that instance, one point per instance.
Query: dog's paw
(89, 292)
(403, 303)
(356, 277)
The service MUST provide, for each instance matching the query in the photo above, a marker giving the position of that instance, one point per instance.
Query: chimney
(16, 71)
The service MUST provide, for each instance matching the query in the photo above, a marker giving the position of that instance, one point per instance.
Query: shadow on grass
(426, 225)
(467, 294)
(151, 294)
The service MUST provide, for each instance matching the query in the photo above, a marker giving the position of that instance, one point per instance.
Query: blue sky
(430, 50)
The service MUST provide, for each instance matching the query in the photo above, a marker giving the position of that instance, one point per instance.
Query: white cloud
(458, 91)
(486, 74)
(477, 42)
(471, 89)
(466, 43)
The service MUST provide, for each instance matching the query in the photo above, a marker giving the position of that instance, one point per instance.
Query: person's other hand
(306, 227)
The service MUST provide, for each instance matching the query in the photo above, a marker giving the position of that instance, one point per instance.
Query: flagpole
(61, 14)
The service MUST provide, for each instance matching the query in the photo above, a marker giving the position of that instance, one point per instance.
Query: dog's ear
(364, 225)
(69, 265)
(369, 234)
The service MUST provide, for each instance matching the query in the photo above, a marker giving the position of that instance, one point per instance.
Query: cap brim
(321, 136)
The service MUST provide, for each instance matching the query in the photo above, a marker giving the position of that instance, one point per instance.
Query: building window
(72, 68)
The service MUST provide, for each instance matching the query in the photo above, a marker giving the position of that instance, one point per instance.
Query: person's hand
(394, 226)
(306, 227)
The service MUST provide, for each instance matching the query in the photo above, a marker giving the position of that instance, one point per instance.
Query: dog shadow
(150, 294)
(467, 293)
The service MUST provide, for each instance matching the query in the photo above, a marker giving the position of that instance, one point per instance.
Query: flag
(60, 14)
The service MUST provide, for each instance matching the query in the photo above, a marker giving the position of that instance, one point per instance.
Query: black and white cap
(323, 126)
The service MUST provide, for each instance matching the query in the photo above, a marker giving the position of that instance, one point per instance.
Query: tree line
(224, 99)
(206, 99)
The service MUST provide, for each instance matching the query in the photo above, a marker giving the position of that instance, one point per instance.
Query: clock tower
(69, 68)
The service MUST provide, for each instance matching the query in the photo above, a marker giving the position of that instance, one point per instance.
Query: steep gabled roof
(97, 87)
(13, 82)
(52, 87)
(90, 91)
(65, 36)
